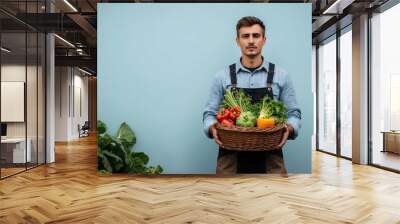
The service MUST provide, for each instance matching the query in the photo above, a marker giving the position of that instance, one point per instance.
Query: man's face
(251, 40)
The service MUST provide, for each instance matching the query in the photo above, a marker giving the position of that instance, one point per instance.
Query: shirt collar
(263, 66)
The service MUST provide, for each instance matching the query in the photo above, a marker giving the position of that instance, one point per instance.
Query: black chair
(84, 130)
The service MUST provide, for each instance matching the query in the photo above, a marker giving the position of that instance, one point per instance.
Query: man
(258, 78)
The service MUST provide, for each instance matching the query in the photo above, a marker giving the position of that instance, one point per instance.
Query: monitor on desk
(3, 130)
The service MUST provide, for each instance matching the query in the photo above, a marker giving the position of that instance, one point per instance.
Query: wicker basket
(250, 139)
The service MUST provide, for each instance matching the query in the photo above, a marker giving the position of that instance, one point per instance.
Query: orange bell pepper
(265, 122)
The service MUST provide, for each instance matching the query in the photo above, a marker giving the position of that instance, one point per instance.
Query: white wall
(15, 72)
(80, 111)
(71, 94)
(33, 127)
(62, 81)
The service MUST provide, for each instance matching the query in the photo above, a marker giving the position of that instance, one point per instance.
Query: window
(346, 93)
(23, 89)
(327, 96)
(385, 89)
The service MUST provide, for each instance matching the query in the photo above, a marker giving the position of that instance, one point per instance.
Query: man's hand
(214, 134)
(288, 131)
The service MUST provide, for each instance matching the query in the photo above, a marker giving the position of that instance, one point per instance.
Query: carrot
(265, 122)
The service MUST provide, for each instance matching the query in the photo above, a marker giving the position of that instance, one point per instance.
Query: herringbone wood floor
(70, 191)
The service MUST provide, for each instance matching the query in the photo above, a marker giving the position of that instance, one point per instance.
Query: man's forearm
(295, 124)
(208, 121)
(212, 106)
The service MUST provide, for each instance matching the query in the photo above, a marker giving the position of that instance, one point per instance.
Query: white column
(50, 93)
(50, 110)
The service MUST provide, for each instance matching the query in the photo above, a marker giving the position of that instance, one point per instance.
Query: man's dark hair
(249, 21)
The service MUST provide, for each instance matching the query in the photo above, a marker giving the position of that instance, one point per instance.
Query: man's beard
(252, 56)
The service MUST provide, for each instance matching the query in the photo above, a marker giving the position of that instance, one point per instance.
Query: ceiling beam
(86, 26)
(83, 61)
(337, 6)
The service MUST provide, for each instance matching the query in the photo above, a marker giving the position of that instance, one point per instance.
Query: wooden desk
(13, 150)
(391, 141)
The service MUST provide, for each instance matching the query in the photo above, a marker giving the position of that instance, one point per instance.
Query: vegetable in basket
(246, 119)
(227, 122)
(240, 107)
(228, 117)
(222, 115)
(272, 112)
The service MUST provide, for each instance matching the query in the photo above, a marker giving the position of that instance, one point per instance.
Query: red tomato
(220, 117)
(227, 122)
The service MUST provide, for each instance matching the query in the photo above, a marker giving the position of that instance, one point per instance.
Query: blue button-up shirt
(282, 89)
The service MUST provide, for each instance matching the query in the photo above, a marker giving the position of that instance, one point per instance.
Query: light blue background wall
(156, 63)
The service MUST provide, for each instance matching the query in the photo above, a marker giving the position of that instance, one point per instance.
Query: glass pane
(31, 100)
(13, 86)
(386, 89)
(41, 98)
(346, 94)
(327, 97)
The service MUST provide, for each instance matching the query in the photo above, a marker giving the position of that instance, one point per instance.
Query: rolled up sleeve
(212, 106)
(288, 97)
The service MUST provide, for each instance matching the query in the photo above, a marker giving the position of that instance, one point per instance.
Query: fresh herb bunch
(236, 98)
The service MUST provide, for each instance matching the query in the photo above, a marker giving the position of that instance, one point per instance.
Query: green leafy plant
(114, 154)
(273, 109)
(236, 98)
